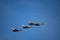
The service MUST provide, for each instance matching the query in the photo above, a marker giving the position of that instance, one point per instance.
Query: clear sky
(15, 13)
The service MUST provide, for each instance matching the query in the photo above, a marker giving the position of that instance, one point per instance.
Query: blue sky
(14, 13)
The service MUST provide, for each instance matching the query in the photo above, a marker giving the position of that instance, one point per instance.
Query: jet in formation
(35, 23)
(15, 29)
(26, 26)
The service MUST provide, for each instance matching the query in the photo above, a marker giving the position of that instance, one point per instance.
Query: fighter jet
(26, 26)
(30, 23)
(35, 23)
(15, 30)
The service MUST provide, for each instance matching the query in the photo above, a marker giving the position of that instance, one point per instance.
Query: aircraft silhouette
(15, 30)
(26, 26)
(30, 23)
(35, 23)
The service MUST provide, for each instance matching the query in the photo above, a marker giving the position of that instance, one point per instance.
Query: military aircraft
(31, 23)
(15, 29)
(26, 26)
(35, 23)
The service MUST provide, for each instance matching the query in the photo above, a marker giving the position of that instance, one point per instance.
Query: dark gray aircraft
(30, 23)
(26, 26)
(15, 30)
(35, 23)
